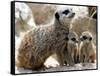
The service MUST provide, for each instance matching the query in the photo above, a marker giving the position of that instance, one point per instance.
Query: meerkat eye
(65, 12)
(67, 38)
(84, 37)
(73, 39)
(90, 38)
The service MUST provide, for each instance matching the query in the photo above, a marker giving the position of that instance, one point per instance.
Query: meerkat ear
(90, 38)
(57, 15)
(67, 38)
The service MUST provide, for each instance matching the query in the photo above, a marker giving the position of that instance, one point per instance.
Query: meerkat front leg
(52, 61)
(60, 58)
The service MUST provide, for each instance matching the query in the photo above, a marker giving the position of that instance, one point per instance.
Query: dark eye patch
(73, 39)
(65, 12)
(84, 37)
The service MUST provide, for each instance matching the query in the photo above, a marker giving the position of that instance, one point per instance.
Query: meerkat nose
(73, 14)
(77, 41)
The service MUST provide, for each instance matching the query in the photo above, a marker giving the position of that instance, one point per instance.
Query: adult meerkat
(71, 49)
(42, 41)
(87, 48)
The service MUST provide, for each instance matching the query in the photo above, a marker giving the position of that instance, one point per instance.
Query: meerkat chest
(72, 47)
(87, 48)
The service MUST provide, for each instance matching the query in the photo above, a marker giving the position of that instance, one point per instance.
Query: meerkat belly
(36, 47)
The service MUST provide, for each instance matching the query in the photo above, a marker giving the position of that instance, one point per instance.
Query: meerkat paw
(51, 62)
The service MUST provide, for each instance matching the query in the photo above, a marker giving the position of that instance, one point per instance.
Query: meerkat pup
(87, 48)
(42, 41)
(71, 49)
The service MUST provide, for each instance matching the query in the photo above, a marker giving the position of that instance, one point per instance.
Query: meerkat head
(86, 37)
(65, 16)
(72, 37)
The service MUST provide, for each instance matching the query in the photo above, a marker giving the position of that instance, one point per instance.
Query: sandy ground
(85, 66)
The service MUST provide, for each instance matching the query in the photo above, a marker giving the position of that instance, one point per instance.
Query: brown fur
(87, 50)
(71, 50)
(39, 43)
